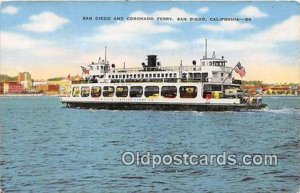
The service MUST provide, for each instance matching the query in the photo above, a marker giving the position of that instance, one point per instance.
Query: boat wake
(283, 110)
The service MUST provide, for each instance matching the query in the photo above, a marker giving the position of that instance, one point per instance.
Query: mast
(205, 48)
(105, 55)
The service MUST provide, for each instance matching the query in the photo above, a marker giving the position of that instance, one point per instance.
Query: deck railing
(151, 69)
(140, 80)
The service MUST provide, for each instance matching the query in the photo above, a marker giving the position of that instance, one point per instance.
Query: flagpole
(105, 55)
(230, 72)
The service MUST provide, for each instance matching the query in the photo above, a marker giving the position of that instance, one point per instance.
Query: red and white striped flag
(240, 69)
(84, 70)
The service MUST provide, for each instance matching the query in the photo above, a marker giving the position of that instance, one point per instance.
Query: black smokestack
(152, 60)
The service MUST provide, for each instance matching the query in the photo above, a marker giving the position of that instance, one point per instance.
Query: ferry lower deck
(155, 96)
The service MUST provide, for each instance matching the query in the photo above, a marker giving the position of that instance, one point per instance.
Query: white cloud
(134, 29)
(203, 9)
(227, 26)
(288, 30)
(234, 45)
(127, 30)
(30, 46)
(167, 45)
(252, 11)
(42, 58)
(16, 41)
(265, 40)
(44, 22)
(10, 10)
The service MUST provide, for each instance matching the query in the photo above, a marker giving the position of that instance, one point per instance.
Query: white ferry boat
(206, 85)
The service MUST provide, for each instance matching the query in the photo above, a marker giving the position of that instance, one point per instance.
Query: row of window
(135, 91)
(154, 75)
(214, 63)
(197, 76)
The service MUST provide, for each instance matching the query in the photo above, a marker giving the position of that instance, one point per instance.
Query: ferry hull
(165, 107)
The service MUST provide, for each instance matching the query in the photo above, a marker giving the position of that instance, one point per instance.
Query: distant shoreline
(280, 96)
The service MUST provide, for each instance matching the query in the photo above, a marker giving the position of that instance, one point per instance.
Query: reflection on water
(47, 148)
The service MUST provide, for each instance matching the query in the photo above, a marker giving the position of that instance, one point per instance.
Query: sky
(50, 39)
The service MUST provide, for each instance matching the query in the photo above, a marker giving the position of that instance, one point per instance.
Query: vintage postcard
(169, 96)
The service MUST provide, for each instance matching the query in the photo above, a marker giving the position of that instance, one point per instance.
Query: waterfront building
(53, 89)
(24, 78)
(12, 88)
(41, 88)
(1, 88)
(39, 82)
(63, 86)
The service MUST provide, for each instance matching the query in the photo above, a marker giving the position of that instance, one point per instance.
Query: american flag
(84, 70)
(240, 69)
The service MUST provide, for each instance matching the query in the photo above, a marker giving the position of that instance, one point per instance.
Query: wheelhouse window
(122, 91)
(85, 91)
(96, 91)
(204, 77)
(136, 91)
(169, 91)
(151, 91)
(197, 76)
(188, 91)
(75, 91)
(108, 91)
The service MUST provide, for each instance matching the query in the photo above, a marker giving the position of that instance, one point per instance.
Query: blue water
(48, 148)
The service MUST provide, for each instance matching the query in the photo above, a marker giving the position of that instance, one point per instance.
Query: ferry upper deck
(207, 70)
